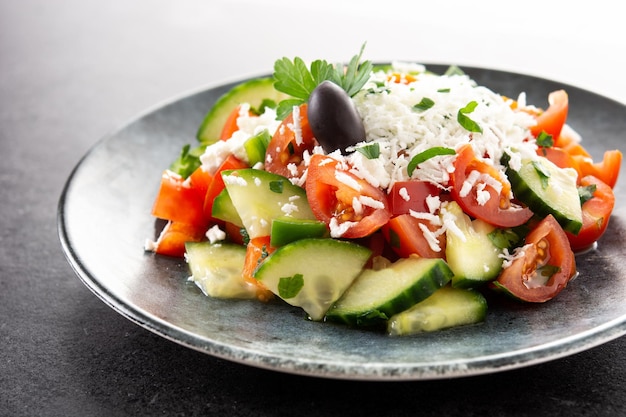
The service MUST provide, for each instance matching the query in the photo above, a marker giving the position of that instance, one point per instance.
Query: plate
(104, 219)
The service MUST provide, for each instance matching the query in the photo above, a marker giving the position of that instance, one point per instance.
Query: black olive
(333, 118)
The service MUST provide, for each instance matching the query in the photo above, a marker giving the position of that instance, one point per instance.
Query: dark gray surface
(66, 79)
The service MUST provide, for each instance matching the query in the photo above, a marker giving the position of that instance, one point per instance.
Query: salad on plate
(383, 196)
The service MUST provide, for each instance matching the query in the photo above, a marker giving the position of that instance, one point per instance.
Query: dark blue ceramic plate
(104, 219)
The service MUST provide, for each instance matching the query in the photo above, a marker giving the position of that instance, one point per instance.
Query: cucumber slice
(251, 91)
(223, 209)
(447, 307)
(260, 197)
(312, 273)
(287, 229)
(217, 269)
(376, 295)
(473, 257)
(547, 189)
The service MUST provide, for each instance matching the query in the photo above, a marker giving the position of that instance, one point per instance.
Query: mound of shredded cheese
(402, 130)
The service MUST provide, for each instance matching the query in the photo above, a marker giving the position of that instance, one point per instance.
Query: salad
(383, 196)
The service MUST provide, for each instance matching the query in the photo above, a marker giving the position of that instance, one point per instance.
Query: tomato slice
(498, 209)
(351, 206)
(545, 268)
(405, 196)
(406, 236)
(285, 152)
(596, 213)
(181, 200)
(551, 121)
(171, 241)
(231, 126)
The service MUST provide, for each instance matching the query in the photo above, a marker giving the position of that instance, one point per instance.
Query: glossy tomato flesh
(545, 268)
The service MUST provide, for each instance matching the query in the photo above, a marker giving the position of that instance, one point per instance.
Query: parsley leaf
(289, 287)
(426, 155)
(424, 104)
(356, 74)
(295, 79)
(465, 121)
(371, 151)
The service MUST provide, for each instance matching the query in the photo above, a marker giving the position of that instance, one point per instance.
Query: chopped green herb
(544, 174)
(465, 121)
(545, 140)
(188, 160)
(586, 193)
(424, 104)
(277, 186)
(371, 151)
(505, 238)
(426, 155)
(289, 287)
(443, 90)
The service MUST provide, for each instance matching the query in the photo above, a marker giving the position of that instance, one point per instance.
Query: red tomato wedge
(405, 196)
(545, 268)
(217, 184)
(285, 151)
(171, 241)
(231, 126)
(498, 210)
(341, 199)
(181, 200)
(596, 213)
(406, 236)
(551, 121)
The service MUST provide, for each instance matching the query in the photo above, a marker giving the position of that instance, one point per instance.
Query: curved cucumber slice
(217, 269)
(260, 197)
(447, 307)
(547, 189)
(473, 257)
(251, 91)
(376, 295)
(312, 273)
(223, 209)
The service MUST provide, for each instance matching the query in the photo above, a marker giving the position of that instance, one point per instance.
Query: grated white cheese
(234, 180)
(402, 132)
(215, 234)
(339, 229)
(346, 179)
(216, 153)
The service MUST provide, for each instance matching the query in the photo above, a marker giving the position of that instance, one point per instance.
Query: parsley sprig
(294, 78)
